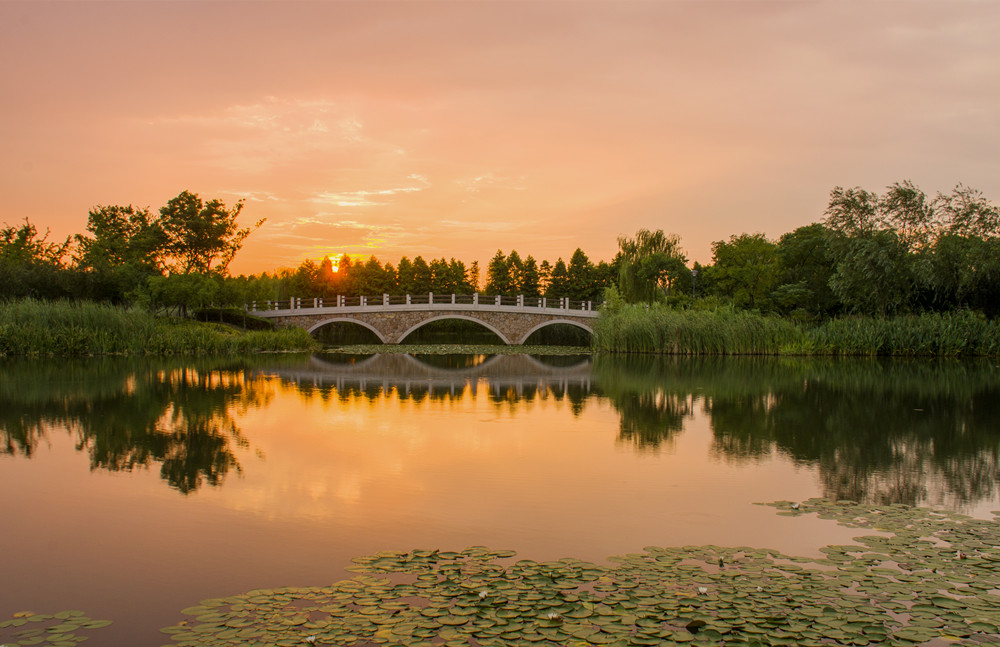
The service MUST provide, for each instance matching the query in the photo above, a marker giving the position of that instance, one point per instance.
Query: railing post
(315, 302)
(430, 298)
(520, 301)
(475, 298)
(498, 300)
(589, 306)
(452, 298)
(385, 299)
(321, 302)
(544, 304)
(408, 299)
(364, 300)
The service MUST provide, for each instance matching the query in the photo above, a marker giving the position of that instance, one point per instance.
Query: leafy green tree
(474, 276)
(498, 277)
(121, 237)
(580, 277)
(805, 266)
(515, 267)
(853, 212)
(458, 278)
(967, 213)
(649, 265)
(345, 276)
(423, 278)
(326, 278)
(31, 265)
(964, 271)
(201, 236)
(441, 282)
(874, 274)
(745, 268)
(558, 286)
(907, 210)
(405, 276)
(544, 275)
(183, 292)
(373, 280)
(530, 278)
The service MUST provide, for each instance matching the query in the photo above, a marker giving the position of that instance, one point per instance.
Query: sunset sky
(457, 128)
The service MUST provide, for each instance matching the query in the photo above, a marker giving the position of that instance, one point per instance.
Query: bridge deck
(423, 303)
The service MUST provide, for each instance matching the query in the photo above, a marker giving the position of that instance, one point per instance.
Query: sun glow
(335, 260)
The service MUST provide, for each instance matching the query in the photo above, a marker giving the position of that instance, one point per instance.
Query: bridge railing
(473, 300)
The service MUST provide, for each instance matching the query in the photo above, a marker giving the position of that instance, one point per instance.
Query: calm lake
(135, 488)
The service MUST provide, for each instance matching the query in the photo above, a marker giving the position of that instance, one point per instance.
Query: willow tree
(649, 265)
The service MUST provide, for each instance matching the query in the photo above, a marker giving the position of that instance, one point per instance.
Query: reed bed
(664, 331)
(950, 334)
(660, 329)
(38, 328)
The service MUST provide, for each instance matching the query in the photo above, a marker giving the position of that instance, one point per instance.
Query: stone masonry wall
(513, 327)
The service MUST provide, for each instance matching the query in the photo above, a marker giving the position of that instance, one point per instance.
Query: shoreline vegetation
(900, 273)
(62, 328)
(30, 328)
(659, 329)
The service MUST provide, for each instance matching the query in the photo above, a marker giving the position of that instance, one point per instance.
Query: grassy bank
(659, 329)
(665, 331)
(39, 328)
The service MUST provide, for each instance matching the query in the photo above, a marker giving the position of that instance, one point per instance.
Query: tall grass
(33, 328)
(660, 329)
(949, 334)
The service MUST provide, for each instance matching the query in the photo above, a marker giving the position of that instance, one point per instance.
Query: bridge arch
(490, 327)
(545, 324)
(346, 319)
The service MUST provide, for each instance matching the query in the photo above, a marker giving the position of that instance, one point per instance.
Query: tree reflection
(128, 414)
(878, 431)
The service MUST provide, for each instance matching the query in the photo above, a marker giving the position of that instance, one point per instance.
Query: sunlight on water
(136, 487)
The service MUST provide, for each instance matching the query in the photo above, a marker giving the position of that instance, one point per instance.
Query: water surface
(135, 488)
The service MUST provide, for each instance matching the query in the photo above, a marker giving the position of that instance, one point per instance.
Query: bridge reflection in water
(507, 377)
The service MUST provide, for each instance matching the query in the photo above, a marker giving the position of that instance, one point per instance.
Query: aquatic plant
(928, 575)
(62, 629)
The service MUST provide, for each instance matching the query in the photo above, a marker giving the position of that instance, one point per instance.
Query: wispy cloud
(368, 197)
(456, 226)
(288, 116)
(252, 196)
(491, 180)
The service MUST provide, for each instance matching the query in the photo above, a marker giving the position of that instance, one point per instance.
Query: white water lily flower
(702, 590)
(311, 640)
(483, 593)
(552, 616)
(759, 589)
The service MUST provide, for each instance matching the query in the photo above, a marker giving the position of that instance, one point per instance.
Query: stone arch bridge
(392, 318)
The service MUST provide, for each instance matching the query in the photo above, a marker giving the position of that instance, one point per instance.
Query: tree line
(506, 275)
(895, 253)
(178, 258)
(875, 254)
